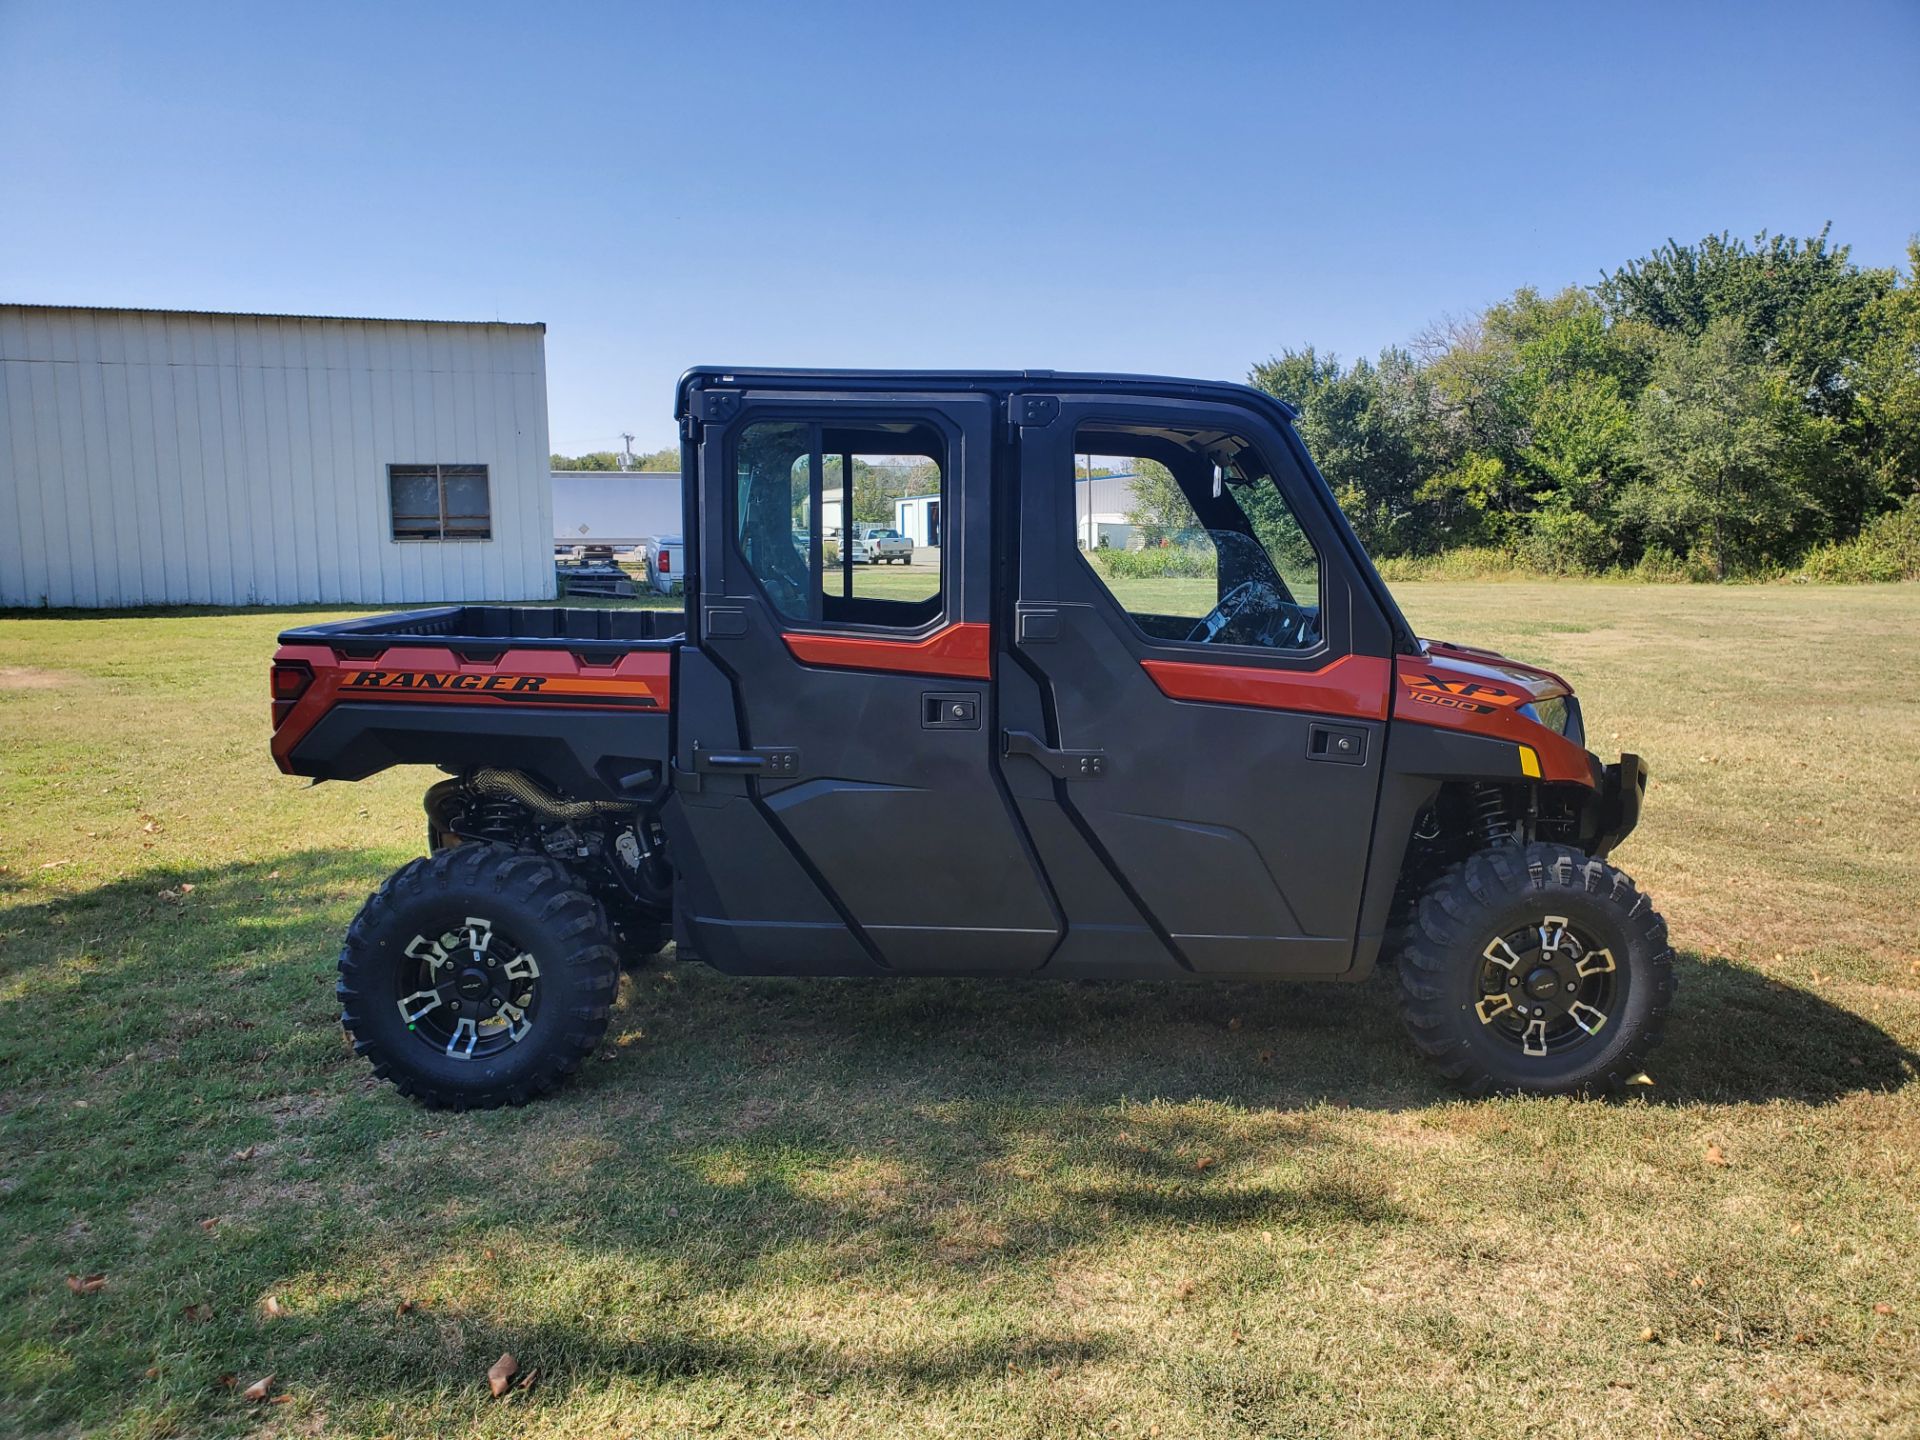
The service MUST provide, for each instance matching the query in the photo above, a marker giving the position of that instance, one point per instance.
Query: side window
(811, 502)
(1191, 535)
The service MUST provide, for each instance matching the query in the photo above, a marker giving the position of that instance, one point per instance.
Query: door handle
(1337, 744)
(1061, 764)
(745, 762)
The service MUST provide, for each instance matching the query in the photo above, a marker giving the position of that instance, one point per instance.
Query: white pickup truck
(888, 545)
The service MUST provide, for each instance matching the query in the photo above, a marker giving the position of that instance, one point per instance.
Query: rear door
(1204, 689)
(839, 808)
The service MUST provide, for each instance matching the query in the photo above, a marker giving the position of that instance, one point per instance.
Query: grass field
(939, 1208)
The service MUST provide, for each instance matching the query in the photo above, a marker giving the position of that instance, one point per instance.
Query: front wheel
(1535, 969)
(477, 977)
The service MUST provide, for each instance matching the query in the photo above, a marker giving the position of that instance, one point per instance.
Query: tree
(1720, 440)
(1160, 509)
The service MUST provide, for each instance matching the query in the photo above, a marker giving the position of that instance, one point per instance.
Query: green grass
(942, 1208)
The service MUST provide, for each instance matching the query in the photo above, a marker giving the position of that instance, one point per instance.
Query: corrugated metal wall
(155, 457)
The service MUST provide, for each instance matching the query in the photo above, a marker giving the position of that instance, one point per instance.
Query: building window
(440, 502)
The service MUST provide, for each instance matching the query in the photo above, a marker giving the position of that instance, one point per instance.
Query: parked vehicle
(887, 545)
(665, 559)
(1252, 769)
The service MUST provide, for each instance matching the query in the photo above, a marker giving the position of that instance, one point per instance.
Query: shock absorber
(1491, 808)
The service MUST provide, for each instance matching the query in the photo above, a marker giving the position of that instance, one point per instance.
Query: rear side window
(805, 492)
(1192, 537)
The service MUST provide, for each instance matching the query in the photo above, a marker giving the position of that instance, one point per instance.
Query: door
(839, 808)
(1206, 690)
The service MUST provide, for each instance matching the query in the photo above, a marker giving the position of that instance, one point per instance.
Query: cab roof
(999, 382)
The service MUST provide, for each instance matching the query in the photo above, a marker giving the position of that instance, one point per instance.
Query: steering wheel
(1282, 625)
(1224, 613)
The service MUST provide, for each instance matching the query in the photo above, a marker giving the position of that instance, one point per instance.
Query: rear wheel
(1535, 969)
(476, 977)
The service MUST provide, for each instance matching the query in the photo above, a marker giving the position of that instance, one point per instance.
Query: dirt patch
(26, 677)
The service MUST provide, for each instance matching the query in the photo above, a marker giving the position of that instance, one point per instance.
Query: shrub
(1159, 562)
(1887, 549)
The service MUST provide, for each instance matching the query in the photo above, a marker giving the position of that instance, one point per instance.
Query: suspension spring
(1495, 827)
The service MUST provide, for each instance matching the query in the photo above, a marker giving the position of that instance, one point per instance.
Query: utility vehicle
(1225, 756)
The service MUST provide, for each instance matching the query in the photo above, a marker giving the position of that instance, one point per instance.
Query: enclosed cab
(1218, 753)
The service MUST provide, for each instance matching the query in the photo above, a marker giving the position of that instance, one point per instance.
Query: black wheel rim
(470, 992)
(1547, 988)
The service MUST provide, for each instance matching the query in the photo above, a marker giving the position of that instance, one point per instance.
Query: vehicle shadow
(1735, 1036)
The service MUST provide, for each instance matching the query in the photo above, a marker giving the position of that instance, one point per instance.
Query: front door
(839, 806)
(1195, 735)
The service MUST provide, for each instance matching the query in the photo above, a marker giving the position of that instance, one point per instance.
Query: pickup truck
(886, 546)
(665, 559)
(1030, 768)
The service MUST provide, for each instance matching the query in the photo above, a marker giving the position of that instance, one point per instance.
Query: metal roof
(539, 325)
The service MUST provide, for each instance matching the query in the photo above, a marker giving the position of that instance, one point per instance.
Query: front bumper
(1623, 788)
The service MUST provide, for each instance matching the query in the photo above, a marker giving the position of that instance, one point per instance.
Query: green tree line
(1723, 407)
(668, 459)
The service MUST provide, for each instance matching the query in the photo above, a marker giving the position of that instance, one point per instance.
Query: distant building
(918, 518)
(615, 507)
(1101, 506)
(165, 457)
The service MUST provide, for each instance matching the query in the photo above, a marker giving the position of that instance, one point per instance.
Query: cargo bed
(553, 627)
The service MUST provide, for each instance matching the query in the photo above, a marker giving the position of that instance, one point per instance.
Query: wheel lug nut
(1513, 979)
(1572, 988)
(491, 962)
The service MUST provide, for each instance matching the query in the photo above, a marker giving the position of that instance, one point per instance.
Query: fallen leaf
(273, 875)
(86, 1284)
(1184, 1290)
(1234, 1024)
(273, 1307)
(199, 1312)
(1642, 1078)
(246, 1154)
(258, 1390)
(230, 1381)
(1803, 1339)
(1205, 1162)
(1266, 1057)
(209, 1223)
(526, 1380)
(153, 1372)
(1647, 1336)
(1797, 1228)
(1883, 1308)
(405, 1307)
(500, 1375)
(1716, 1156)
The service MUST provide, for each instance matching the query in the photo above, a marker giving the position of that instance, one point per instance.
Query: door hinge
(1061, 764)
(1031, 412)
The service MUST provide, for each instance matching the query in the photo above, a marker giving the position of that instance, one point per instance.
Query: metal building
(155, 457)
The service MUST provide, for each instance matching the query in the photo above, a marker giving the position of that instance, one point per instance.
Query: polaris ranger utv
(1213, 750)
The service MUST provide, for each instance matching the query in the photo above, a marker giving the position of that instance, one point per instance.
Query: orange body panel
(421, 675)
(963, 649)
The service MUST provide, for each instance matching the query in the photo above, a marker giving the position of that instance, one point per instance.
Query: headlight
(1561, 715)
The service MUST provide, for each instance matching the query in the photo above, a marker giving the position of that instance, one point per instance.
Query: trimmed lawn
(949, 1208)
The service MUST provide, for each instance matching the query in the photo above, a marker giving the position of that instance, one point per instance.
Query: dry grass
(940, 1208)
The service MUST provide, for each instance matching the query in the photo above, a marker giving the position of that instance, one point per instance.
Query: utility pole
(626, 460)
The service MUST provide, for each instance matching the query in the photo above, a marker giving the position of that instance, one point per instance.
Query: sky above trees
(1110, 186)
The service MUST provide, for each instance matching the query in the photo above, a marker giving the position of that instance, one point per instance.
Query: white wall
(615, 507)
(151, 457)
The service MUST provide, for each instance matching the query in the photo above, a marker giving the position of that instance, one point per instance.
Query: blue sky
(1178, 188)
